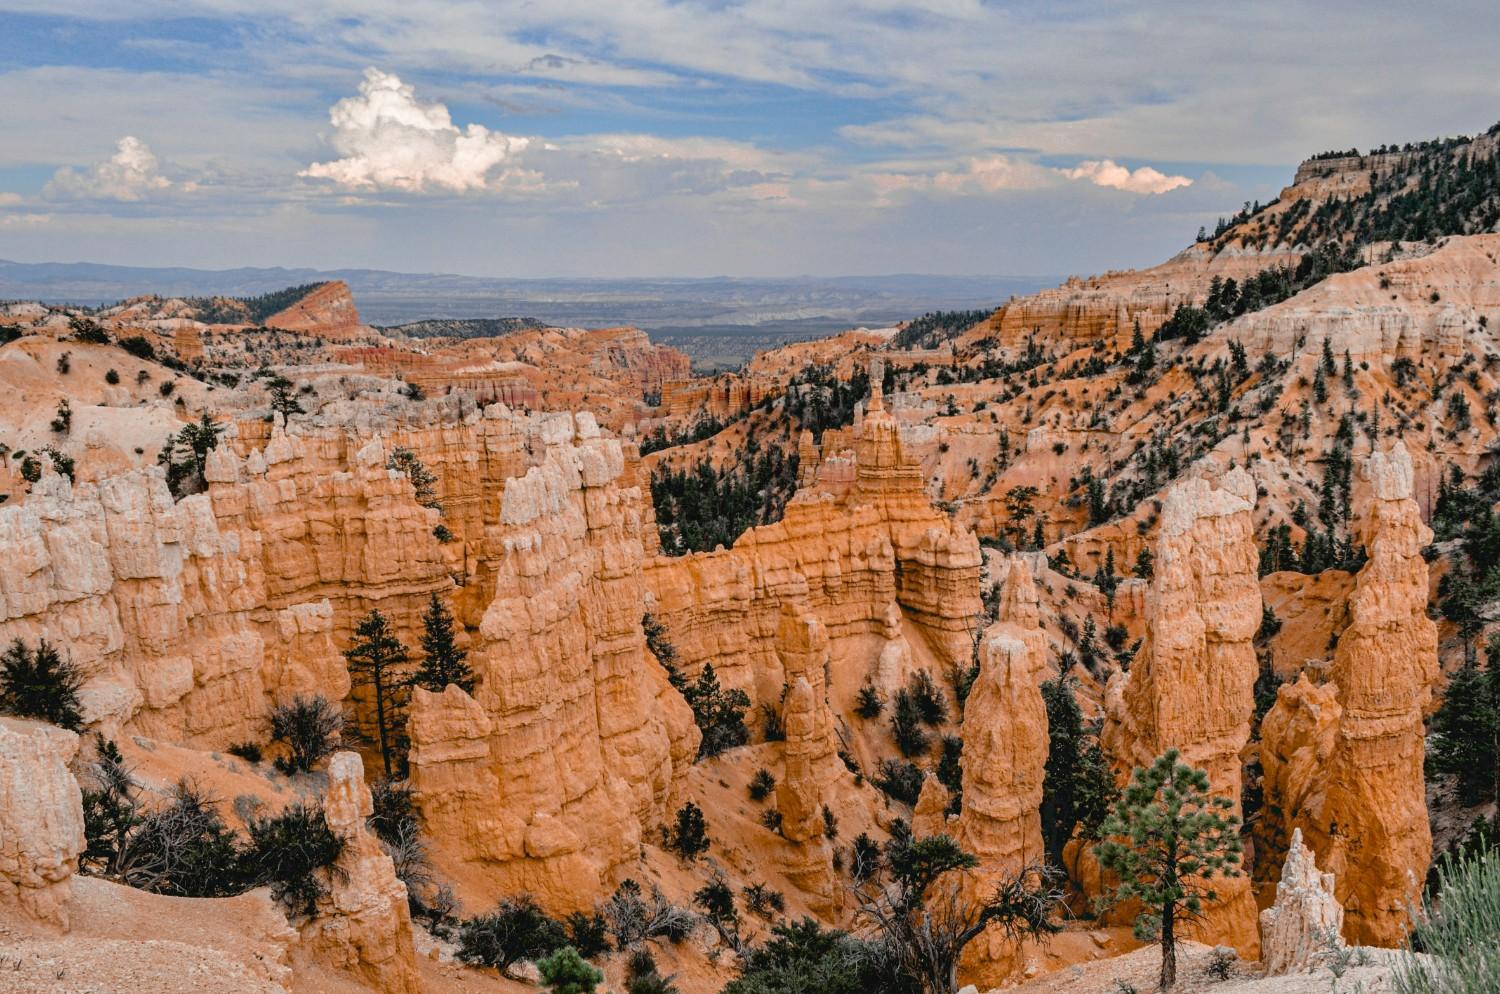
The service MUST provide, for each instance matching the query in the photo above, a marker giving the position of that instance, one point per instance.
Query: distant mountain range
(719, 320)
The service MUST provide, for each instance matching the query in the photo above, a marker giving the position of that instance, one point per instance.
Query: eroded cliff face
(1344, 761)
(192, 619)
(586, 742)
(327, 311)
(892, 580)
(362, 925)
(1004, 762)
(1191, 686)
(41, 820)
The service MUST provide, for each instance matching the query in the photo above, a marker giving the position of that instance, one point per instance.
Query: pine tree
(1098, 504)
(282, 400)
(566, 972)
(1064, 741)
(443, 662)
(202, 436)
(718, 713)
(38, 683)
(1144, 564)
(373, 658)
(1165, 840)
(423, 483)
(1107, 580)
(1466, 727)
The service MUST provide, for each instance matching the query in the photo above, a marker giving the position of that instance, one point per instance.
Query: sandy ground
(1138, 971)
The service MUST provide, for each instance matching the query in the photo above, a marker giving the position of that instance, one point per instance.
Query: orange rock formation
(362, 924)
(1191, 686)
(1344, 762)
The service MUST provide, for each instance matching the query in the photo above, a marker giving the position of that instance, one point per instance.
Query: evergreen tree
(1107, 580)
(718, 713)
(1466, 728)
(1145, 564)
(283, 402)
(566, 972)
(443, 662)
(202, 436)
(38, 683)
(1098, 505)
(1078, 786)
(423, 483)
(1165, 840)
(374, 656)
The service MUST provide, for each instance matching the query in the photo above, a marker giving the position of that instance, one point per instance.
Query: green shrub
(906, 725)
(38, 683)
(589, 934)
(288, 851)
(688, 836)
(183, 848)
(899, 780)
(138, 347)
(309, 728)
(111, 809)
(516, 930)
(643, 977)
(803, 956)
(250, 752)
(1459, 930)
(763, 901)
(930, 701)
(566, 972)
(762, 784)
(718, 713)
(633, 919)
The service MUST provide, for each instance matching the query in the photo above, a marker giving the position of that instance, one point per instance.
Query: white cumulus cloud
(1108, 172)
(132, 173)
(388, 139)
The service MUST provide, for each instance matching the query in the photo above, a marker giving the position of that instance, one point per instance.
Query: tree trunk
(1168, 948)
(385, 751)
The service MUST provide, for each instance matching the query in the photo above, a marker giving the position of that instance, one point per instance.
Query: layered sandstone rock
(810, 761)
(799, 799)
(191, 619)
(1349, 776)
(929, 815)
(1004, 761)
(869, 557)
(1306, 921)
(1192, 685)
(1004, 758)
(41, 820)
(362, 924)
(327, 311)
(587, 743)
(1019, 614)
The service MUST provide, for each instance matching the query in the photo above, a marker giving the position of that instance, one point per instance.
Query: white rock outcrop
(41, 819)
(1306, 919)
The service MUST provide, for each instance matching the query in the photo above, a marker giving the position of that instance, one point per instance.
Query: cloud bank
(387, 139)
(132, 173)
(1107, 172)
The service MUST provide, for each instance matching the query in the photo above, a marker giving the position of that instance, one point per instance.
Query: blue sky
(668, 137)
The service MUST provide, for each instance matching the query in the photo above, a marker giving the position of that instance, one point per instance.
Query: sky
(621, 138)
